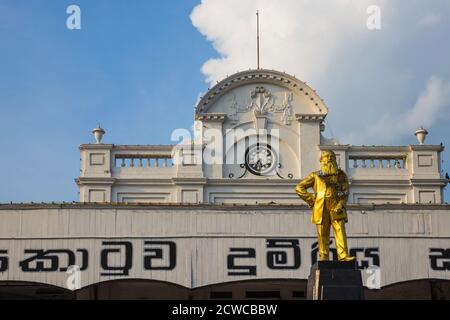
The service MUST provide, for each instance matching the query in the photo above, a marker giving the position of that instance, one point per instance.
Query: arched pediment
(264, 90)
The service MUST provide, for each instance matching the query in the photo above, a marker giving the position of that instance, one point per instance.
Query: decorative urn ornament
(421, 134)
(98, 134)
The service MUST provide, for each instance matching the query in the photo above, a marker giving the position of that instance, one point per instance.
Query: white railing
(380, 162)
(143, 160)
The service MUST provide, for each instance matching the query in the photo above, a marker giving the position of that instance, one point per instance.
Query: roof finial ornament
(98, 133)
(421, 134)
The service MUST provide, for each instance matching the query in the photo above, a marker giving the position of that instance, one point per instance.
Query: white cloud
(369, 79)
(431, 105)
(431, 19)
(300, 37)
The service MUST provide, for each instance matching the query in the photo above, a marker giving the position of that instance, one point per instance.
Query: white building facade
(216, 215)
(239, 109)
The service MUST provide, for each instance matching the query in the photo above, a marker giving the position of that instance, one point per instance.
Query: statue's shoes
(348, 258)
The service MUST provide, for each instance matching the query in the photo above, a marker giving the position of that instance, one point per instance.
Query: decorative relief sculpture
(233, 109)
(287, 109)
(262, 102)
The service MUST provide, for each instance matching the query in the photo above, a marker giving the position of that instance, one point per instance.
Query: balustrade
(380, 162)
(143, 161)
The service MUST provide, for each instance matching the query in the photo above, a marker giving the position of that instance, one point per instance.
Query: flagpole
(257, 38)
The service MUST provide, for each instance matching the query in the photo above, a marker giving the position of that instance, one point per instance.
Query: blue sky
(137, 67)
(134, 66)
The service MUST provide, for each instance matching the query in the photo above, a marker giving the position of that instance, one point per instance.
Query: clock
(260, 159)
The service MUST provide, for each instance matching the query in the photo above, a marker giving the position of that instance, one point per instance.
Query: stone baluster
(149, 161)
(392, 162)
(396, 164)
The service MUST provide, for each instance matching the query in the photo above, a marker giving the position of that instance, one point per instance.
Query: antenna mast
(257, 38)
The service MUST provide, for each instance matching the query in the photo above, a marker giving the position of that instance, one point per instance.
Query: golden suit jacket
(336, 196)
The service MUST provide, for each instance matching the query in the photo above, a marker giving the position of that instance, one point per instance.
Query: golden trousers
(323, 232)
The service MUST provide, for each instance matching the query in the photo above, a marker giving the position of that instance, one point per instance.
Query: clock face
(260, 159)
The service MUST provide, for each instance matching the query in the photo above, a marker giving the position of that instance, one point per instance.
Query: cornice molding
(238, 208)
(218, 117)
(149, 147)
(253, 182)
(143, 181)
(99, 146)
(380, 182)
(310, 117)
(127, 147)
(95, 180)
(429, 182)
(190, 181)
(427, 147)
(335, 147)
(399, 149)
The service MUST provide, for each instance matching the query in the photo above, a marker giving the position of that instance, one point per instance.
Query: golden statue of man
(330, 186)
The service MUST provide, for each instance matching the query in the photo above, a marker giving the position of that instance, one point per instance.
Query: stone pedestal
(335, 280)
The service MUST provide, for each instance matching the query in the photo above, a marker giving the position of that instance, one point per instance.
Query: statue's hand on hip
(338, 210)
(313, 201)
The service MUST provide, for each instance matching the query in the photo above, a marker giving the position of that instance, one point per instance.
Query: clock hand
(258, 165)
